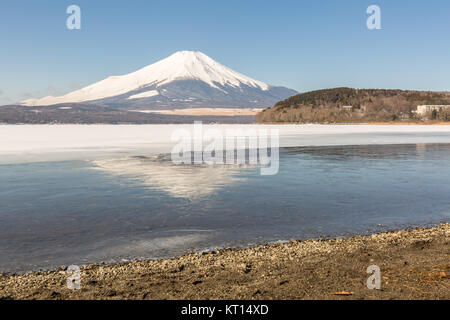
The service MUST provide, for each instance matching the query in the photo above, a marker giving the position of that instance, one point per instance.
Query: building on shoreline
(429, 108)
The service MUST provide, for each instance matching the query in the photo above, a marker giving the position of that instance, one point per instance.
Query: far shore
(225, 112)
(249, 114)
(414, 264)
(425, 123)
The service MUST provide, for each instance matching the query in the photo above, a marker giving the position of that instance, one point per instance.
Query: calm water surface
(61, 213)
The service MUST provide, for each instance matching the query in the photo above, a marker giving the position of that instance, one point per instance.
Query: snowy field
(31, 143)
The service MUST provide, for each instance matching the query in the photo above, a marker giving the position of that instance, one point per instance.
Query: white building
(429, 108)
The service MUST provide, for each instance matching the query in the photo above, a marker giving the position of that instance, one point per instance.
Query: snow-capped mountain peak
(146, 82)
(192, 65)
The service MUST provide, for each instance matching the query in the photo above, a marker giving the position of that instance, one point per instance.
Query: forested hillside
(340, 105)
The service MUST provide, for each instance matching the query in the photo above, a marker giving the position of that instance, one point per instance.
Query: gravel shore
(414, 264)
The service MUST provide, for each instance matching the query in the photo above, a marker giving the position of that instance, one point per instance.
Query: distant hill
(341, 105)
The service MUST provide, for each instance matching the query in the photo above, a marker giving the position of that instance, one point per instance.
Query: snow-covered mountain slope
(185, 79)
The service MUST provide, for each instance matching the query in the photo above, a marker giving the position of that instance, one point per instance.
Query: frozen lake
(31, 143)
(85, 194)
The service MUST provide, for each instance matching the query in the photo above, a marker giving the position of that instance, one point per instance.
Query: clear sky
(304, 45)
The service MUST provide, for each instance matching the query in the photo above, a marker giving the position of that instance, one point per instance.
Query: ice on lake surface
(31, 143)
(85, 194)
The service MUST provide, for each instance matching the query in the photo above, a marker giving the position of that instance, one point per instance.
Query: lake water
(142, 206)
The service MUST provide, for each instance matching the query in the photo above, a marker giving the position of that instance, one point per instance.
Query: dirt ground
(414, 264)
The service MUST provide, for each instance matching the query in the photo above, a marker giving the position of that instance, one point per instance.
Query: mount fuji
(186, 79)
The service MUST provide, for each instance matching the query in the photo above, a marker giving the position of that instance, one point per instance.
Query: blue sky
(303, 45)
